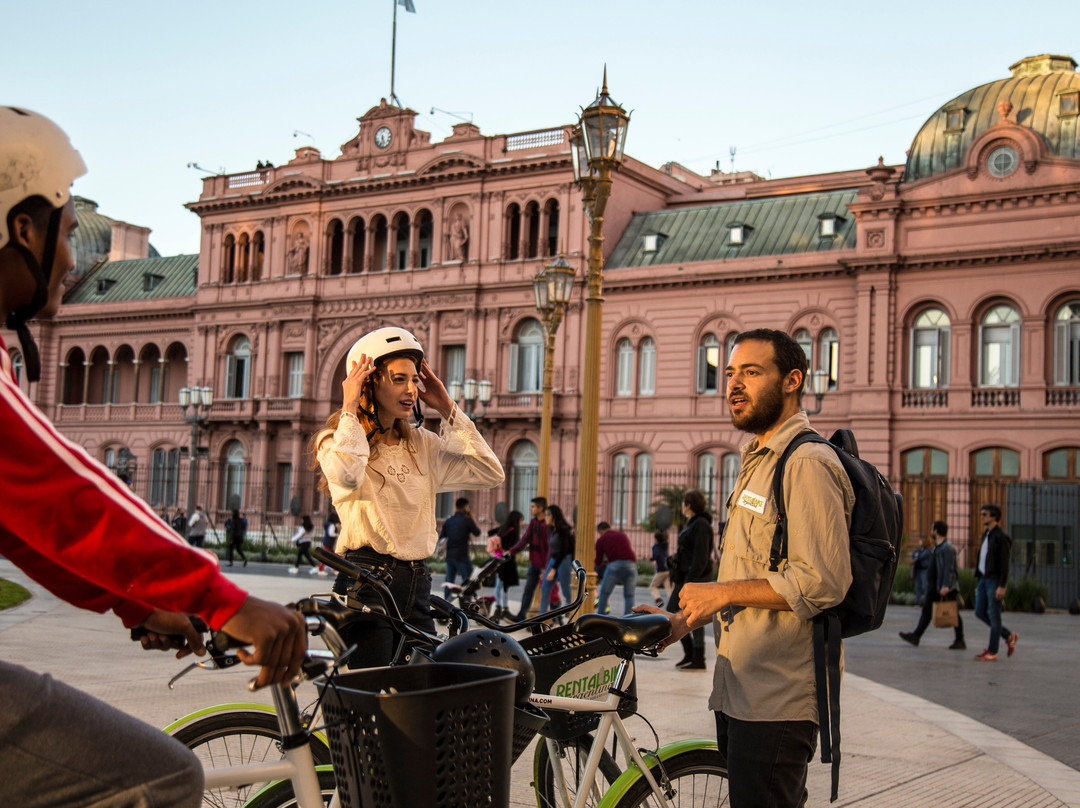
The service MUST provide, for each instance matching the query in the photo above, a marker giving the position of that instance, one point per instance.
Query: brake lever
(219, 662)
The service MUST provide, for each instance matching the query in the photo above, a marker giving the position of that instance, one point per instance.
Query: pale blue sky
(797, 87)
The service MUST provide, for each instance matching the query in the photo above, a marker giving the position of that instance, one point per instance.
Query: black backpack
(877, 521)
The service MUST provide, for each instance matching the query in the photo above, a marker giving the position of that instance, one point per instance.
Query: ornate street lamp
(819, 386)
(596, 150)
(470, 395)
(553, 286)
(200, 399)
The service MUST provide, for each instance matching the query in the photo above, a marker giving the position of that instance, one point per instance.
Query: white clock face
(382, 137)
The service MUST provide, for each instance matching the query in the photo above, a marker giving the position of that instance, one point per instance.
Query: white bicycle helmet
(382, 343)
(36, 160)
(379, 345)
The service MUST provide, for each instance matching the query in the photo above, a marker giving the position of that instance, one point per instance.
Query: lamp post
(471, 394)
(200, 400)
(553, 286)
(819, 386)
(596, 149)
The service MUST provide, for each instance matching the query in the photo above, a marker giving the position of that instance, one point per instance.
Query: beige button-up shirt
(765, 659)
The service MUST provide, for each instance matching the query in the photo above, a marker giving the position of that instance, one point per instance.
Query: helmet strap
(17, 318)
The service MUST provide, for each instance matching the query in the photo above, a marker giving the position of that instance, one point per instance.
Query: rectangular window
(454, 364)
(647, 378)
(284, 485)
(236, 376)
(643, 494)
(155, 383)
(620, 490)
(164, 473)
(295, 365)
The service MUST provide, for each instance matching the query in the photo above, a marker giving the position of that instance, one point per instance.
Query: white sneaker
(293, 570)
(314, 571)
(323, 573)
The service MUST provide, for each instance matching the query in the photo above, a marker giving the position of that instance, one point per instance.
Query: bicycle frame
(610, 721)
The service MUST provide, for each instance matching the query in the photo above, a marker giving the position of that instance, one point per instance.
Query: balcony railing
(1062, 396)
(516, 402)
(995, 398)
(248, 179)
(529, 140)
(925, 398)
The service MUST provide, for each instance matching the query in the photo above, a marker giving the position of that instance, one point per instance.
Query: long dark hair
(557, 517)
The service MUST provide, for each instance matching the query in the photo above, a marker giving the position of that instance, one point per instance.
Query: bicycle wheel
(235, 738)
(698, 778)
(280, 794)
(572, 757)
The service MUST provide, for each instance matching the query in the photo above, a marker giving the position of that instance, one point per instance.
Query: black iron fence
(1043, 518)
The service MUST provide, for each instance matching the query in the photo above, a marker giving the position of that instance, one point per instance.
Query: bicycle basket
(435, 735)
(569, 664)
(528, 721)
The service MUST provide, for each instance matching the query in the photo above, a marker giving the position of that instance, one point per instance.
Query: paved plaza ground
(922, 727)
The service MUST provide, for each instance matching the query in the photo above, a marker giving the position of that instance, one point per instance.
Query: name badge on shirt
(753, 502)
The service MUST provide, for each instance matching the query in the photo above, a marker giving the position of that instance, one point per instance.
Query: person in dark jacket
(235, 533)
(992, 572)
(535, 540)
(943, 584)
(693, 564)
(561, 546)
(507, 575)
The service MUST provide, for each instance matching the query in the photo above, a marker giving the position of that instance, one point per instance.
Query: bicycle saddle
(635, 631)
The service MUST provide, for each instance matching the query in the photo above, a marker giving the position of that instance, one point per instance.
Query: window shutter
(701, 368)
(513, 385)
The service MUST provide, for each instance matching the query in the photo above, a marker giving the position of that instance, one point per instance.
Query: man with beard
(763, 684)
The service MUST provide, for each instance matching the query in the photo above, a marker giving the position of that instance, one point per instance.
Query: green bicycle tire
(280, 794)
(698, 777)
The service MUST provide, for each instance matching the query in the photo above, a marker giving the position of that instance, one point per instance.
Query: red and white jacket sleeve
(73, 526)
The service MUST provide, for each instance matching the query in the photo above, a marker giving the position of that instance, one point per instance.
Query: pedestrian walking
(304, 536)
(331, 529)
(535, 539)
(561, 545)
(235, 533)
(620, 566)
(944, 582)
(197, 525)
(992, 573)
(661, 576)
(458, 531)
(504, 539)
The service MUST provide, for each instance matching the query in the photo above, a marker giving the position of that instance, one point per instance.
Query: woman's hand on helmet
(434, 393)
(354, 383)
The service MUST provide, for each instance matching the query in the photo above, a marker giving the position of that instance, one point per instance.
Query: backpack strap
(779, 548)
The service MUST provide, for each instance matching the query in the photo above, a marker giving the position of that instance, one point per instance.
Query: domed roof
(92, 239)
(1043, 93)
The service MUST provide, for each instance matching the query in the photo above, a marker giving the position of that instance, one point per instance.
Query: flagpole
(393, 56)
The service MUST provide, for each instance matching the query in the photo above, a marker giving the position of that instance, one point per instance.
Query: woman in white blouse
(383, 473)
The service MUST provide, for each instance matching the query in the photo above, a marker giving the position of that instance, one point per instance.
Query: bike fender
(633, 773)
(217, 708)
(236, 707)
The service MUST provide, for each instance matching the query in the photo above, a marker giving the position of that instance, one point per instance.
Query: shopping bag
(945, 614)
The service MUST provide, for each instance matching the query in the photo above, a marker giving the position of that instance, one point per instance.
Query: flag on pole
(408, 5)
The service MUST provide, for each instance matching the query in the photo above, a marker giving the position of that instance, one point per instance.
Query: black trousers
(767, 761)
(927, 614)
(410, 586)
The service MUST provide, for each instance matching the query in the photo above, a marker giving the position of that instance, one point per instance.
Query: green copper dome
(93, 237)
(1043, 92)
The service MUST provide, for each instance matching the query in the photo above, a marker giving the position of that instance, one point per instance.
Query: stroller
(466, 596)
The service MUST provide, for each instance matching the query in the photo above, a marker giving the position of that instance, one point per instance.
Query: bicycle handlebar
(509, 628)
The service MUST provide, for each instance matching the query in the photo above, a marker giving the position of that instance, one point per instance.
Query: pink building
(939, 301)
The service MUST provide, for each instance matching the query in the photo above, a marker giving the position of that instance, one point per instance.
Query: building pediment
(454, 163)
(292, 184)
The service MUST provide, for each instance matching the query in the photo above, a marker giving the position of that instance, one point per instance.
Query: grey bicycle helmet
(492, 648)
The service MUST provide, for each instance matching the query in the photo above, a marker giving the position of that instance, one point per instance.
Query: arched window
(122, 384)
(401, 232)
(552, 210)
(1062, 464)
(527, 358)
(228, 259)
(925, 487)
(258, 253)
(233, 491)
(243, 249)
(647, 368)
(238, 369)
(802, 336)
(17, 366)
(74, 386)
(729, 474)
(624, 375)
(524, 462)
(379, 232)
(532, 230)
(706, 475)
(829, 356)
(930, 350)
(717, 485)
(357, 235)
(512, 237)
(992, 470)
(620, 489)
(335, 253)
(708, 364)
(999, 347)
(1067, 345)
(425, 237)
(164, 473)
(643, 487)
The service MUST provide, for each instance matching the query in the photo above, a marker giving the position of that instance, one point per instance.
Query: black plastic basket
(528, 720)
(562, 653)
(435, 735)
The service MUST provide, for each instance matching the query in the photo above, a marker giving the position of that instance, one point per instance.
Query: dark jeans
(693, 644)
(303, 550)
(532, 578)
(927, 614)
(410, 586)
(238, 546)
(197, 541)
(988, 609)
(766, 760)
(456, 567)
